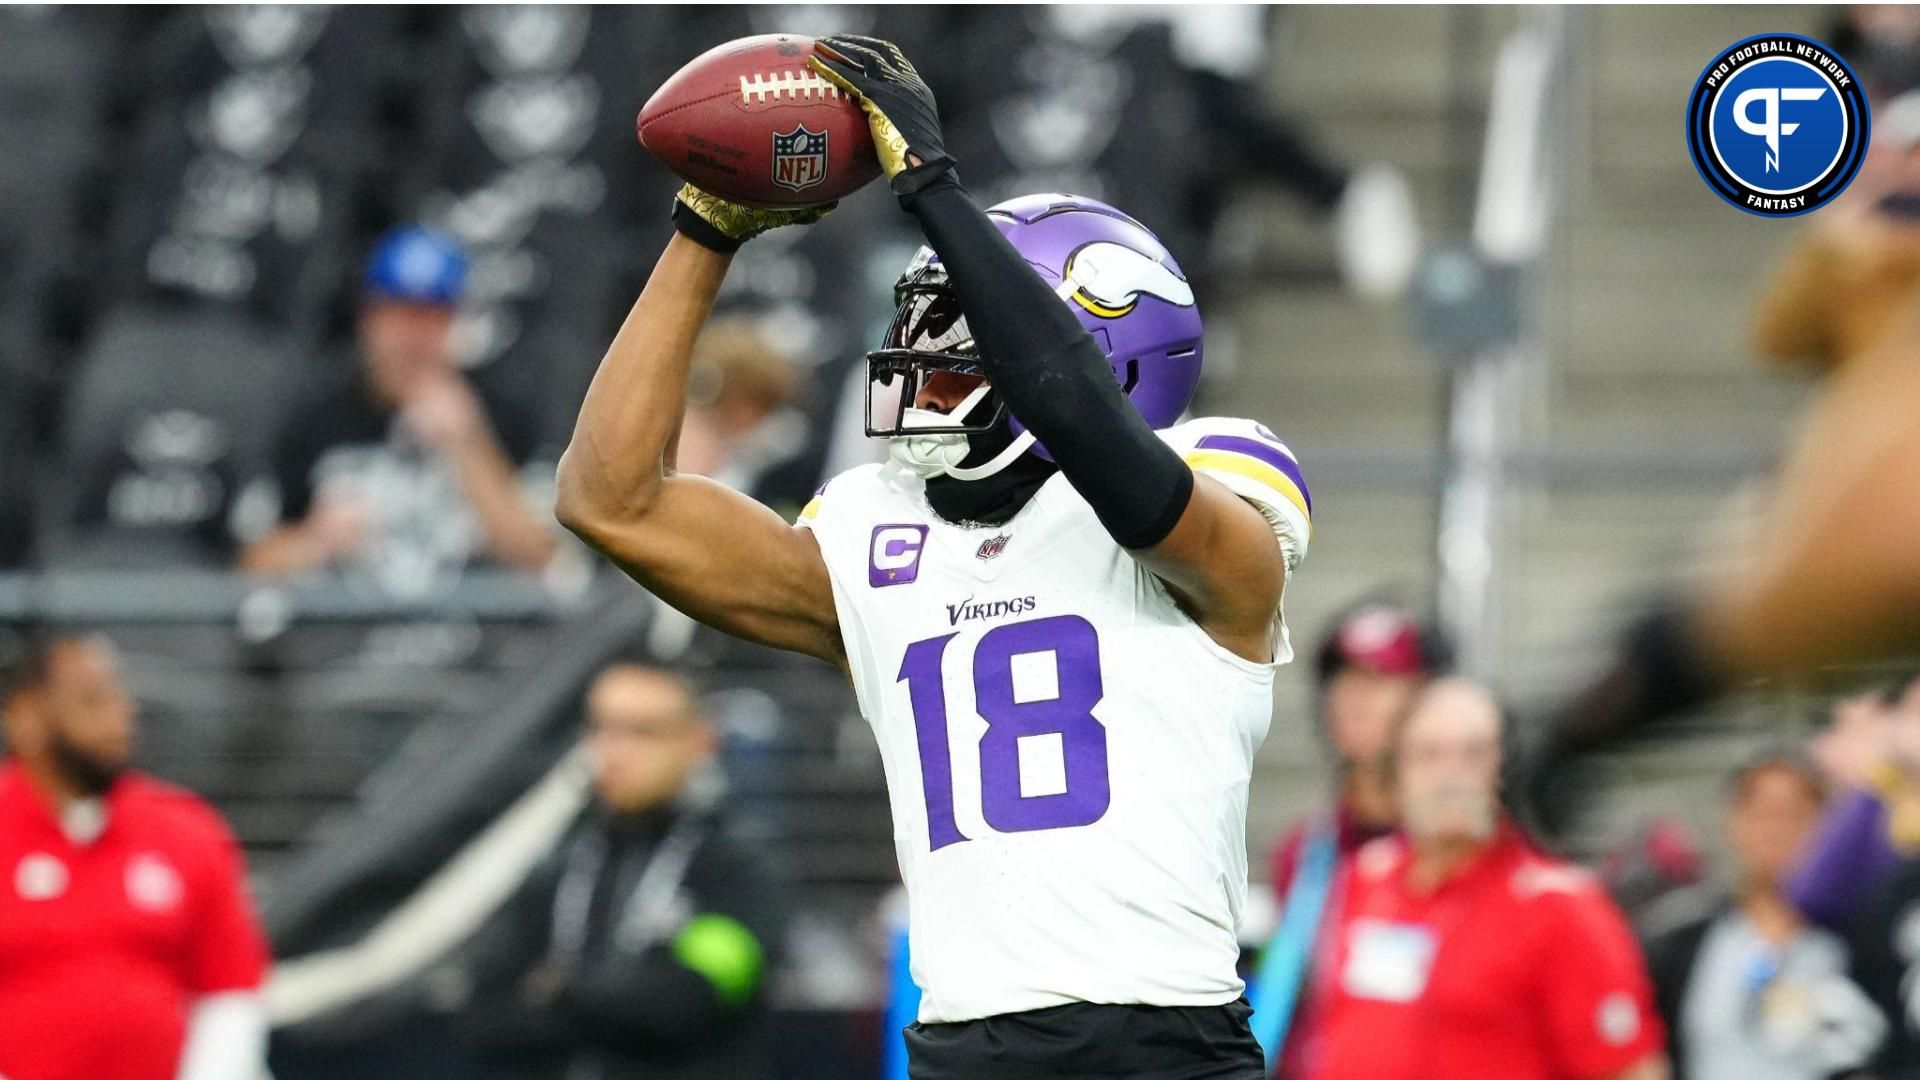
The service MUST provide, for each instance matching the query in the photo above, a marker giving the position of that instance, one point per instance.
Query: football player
(1059, 609)
(1835, 579)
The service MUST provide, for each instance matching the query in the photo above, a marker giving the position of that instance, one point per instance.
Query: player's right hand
(713, 222)
(900, 108)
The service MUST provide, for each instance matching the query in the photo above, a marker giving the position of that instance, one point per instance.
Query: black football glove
(900, 109)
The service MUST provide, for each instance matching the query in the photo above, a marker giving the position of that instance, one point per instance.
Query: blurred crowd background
(297, 305)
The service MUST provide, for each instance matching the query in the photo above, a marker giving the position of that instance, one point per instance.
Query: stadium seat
(253, 156)
(53, 91)
(1078, 115)
(55, 61)
(16, 479)
(358, 56)
(246, 213)
(173, 411)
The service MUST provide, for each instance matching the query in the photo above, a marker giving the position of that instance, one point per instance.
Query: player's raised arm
(1212, 547)
(706, 549)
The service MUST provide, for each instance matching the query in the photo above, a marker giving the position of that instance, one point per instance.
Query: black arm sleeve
(1052, 374)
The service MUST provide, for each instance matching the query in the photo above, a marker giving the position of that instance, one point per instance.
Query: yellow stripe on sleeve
(1259, 471)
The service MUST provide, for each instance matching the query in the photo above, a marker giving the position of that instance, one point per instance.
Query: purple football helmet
(1116, 276)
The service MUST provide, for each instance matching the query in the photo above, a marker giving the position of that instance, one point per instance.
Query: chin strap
(1021, 444)
(928, 456)
(923, 456)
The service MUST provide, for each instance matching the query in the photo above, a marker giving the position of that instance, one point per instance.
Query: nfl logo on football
(799, 158)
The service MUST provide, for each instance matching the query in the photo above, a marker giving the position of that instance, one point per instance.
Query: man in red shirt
(1463, 951)
(129, 949)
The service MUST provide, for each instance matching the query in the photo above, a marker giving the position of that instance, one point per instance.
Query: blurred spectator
(1656, 874)
(642, 949)
(404, 470)
(1749, 991)
(1861, 875)
(1835, 581)
(738, 424)
(1465, 952)
(1369, 667)
(129, 949)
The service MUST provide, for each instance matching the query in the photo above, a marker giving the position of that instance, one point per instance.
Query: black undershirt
(990, 500)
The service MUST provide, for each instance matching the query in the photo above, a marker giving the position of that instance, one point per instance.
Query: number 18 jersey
(1067, 754)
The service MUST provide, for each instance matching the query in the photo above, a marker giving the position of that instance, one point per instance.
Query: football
(749, 121)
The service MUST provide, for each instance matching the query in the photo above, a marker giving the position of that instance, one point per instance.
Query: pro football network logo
(1777, 125)
(799, 158)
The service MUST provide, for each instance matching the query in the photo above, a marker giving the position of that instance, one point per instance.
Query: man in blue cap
(402, 470)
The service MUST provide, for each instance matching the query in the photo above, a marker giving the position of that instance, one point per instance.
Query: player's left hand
(900, 108)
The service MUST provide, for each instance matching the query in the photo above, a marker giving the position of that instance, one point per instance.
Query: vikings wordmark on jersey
(1067, 753)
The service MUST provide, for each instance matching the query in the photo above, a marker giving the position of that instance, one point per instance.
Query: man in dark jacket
(1749, 989)
(642, 948)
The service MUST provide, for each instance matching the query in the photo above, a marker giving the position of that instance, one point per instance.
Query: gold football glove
(713, 222)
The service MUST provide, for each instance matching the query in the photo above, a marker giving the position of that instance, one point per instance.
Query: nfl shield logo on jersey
(799, 158)
(991, 546)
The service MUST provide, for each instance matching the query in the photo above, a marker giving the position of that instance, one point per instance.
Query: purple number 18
(1069, 714)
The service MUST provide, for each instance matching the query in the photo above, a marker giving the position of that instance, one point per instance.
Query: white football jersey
(1067, 754)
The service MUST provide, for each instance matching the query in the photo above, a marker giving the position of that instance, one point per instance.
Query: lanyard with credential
(645, 916)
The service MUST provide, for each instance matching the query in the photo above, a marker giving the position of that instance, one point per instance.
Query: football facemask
(927, 379)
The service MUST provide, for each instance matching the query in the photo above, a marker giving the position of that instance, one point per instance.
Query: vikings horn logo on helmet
(1108, 279)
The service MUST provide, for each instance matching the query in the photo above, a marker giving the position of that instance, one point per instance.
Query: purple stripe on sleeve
(1260, 451)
